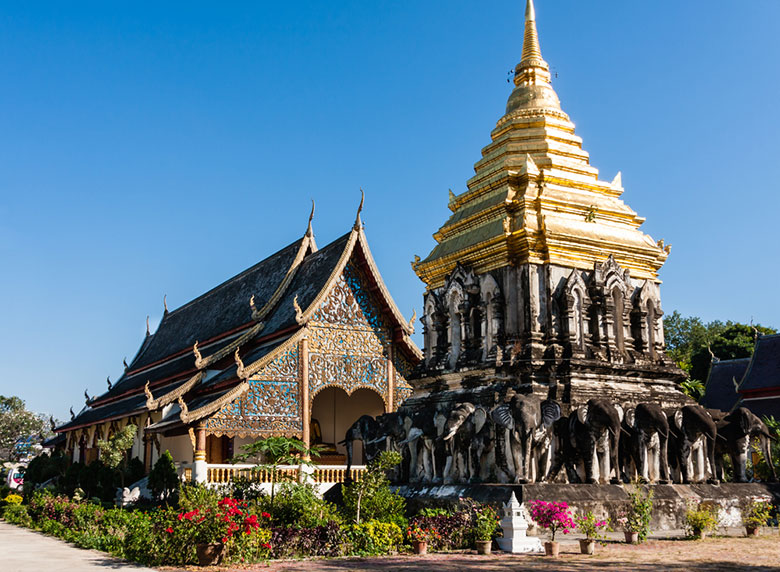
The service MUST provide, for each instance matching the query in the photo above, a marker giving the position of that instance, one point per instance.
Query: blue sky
(160, 148)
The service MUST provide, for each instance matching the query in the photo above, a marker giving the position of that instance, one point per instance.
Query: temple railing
(320, 474)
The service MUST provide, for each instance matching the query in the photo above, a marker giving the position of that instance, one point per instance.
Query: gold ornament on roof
(358, 223)
(148, 392)
(309, 230)
(198, 356)
(298, 310)
(240, 370)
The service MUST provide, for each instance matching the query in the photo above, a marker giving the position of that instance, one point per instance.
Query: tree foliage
(20, 429)
(689, 342)
(370, 497)
(163, 478)
(113, 451)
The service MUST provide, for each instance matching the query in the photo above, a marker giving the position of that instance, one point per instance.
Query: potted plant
(420, 537)
(700, 519)
(552, 516)
(485, 524)
(754, 515)
(593, 528)
(211, 529)
(635, 520)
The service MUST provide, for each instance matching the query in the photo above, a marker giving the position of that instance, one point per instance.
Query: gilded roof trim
(203, 363)
(246, 371)
(187, 416)
(171, 396)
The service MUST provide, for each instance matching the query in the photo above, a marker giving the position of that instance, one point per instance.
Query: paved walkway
(23, 550)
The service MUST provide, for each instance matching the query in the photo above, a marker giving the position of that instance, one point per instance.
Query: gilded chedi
(542, 276)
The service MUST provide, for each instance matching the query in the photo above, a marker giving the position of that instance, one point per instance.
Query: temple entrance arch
(333, 412)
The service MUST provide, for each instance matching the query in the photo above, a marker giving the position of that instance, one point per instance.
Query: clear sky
(153, 148)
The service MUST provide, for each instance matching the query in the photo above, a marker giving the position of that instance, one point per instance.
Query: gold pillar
(200, 443)
(390, 378)
(305, 405)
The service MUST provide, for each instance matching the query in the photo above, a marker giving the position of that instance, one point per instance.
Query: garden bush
(374, 537)
(370, 497)
(163, 478)
(298, 505)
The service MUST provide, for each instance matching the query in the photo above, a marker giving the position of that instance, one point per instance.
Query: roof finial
(148, 332)
(309, 231)
(358, 223)
(124, 363)
(72, 415)
(165, 303)
(108, 381)
(532, 53)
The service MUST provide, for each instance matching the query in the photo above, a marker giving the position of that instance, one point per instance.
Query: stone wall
(604, 500)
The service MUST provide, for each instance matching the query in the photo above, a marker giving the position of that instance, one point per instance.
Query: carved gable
(348, 339)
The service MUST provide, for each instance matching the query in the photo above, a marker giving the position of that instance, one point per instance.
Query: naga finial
(52, 425)
(298, 311)
(148, 392)
(413, 319)
(72, 415)
(86, 396)
(185, 413)
(309, 230)
(239, 364)
(165, 303)
(256, 316)
(108, 382)
(358, 223)
(124, 363)
(148, 331)
(198, 356)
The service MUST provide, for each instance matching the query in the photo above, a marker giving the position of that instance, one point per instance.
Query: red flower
(265, 515)
(267, 546)
(169, 530)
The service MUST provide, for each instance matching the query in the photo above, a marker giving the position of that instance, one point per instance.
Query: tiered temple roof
(535, 197)
(202, 353)
(720, 390)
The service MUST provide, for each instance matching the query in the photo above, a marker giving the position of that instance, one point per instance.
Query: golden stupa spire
(533, 86)
(532, 53)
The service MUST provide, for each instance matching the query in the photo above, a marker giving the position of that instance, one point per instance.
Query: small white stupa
(515, 524)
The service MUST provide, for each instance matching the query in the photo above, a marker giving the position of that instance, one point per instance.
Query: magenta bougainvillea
(552, 516)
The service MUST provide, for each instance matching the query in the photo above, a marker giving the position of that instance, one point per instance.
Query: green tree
(163, 478)
(20, 429)
(689, 342)
(113, 451)
(272, 452)
(370, 496)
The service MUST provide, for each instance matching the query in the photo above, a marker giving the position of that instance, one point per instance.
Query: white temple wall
(180, 447)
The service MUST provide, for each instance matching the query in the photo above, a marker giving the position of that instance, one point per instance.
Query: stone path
(23, 550)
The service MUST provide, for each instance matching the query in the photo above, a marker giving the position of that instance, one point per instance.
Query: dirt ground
(726, 554)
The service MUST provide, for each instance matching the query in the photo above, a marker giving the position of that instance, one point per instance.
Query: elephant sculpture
(469, 436)
(565, 451)
(596, 429)
(423, 438)
(692, 430)
(365, 429)
(528, 420)
(735, 432)
(646, 435)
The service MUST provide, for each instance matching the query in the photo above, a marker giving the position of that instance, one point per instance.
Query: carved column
(305, 405)
(200, 471)
(390, 378)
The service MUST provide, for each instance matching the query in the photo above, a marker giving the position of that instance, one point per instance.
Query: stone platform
(604, 500)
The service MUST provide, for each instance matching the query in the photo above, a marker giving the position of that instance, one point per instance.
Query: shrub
(756, 513)
(17, 514)
(374, 537)
(299, 505)
(453, 531)
(288, 542)
(700, 518)
(13, 499)
(552, 516)
(637, 515)
(593, 528)
(163, 478)
(485, 523)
